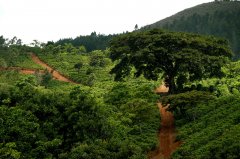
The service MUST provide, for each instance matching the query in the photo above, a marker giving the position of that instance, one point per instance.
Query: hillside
(58, 101)
(214, 18)
(49, 116)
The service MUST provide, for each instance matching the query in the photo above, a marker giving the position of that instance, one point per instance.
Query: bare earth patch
(167, 134)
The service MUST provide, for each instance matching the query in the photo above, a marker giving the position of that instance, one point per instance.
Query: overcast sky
(47, 20)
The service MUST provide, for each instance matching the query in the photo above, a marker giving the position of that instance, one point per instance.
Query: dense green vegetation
(41, 123)
(100, 118)
(181, 57)
(64, 120)
(215, 18)
(208, 122)
(13, 53)
(85, 68)
(91, 42)
(206, 109)
(210, 129)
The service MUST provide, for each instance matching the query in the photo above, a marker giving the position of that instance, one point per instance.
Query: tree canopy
(179, 56)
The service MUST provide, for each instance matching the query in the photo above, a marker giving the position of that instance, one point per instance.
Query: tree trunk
(169, 81)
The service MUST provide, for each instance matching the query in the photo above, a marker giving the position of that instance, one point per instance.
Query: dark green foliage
(138, 112)
(90, 70)
(180, 56)
(180, 103)
(42, 123)
(19, 132)
(91, 42)
(57, 122)
(78, 66)
(46, 78)
(219, 19)
(2, 41)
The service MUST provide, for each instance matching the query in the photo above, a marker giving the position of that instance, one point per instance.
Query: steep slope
(214, 133)
(214, 18)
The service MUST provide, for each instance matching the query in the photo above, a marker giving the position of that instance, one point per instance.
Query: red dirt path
(56, 75)
(167, 133)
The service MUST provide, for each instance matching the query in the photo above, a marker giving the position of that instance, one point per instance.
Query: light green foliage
(223, 90)
(3, 63)
(232, 69)
(214, 134)
(227, 85)
(10, 77)
(66, 64)
(8, 150)
(97, 59)
(81, 49)
(17, 56)
(67, 48)
(13, 77)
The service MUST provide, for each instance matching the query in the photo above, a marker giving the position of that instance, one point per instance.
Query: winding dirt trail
(55, 74)
(167, 134)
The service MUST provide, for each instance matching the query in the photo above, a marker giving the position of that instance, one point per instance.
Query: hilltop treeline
(91, 42)
(219, 18)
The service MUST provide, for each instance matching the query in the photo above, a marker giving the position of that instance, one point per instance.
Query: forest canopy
(181, 57)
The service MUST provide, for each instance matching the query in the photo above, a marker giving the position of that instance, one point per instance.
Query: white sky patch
(47, 20)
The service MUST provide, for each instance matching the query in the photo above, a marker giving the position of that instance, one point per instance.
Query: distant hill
(219, 18)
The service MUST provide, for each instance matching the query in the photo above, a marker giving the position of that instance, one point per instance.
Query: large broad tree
(180, 57)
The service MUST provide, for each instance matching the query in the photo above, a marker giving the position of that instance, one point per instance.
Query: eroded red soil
(167, 134)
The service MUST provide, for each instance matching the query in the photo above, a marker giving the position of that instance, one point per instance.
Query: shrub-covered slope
(215, 131)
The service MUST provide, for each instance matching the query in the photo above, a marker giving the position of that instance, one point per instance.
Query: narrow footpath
(167, 134)
(56, 75)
